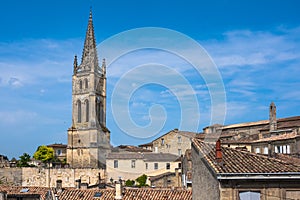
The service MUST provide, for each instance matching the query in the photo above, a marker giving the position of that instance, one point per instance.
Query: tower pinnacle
(89, 60)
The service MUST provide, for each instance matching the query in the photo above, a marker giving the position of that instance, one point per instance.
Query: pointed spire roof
(89, 60)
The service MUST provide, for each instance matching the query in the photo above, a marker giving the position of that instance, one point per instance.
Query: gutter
(261, 176)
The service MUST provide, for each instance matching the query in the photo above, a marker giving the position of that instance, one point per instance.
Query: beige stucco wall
(125, 171)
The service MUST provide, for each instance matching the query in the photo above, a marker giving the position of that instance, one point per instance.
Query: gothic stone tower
(88, 137)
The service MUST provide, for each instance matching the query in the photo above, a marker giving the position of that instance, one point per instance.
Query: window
(80, 84)
(179, 139)
(146, 165)
(87, 110)
(288, 149)
(167, 165)
(116, 164)
(257, 150)
(155, 165)
(86, 83)
(179, 152)
(132, 163)
(247, 195)
(58, 152)
(179, 165)
(79, 111)
(266, 150)
(162, 142)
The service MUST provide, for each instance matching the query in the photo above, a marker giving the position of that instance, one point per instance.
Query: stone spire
(89, 60)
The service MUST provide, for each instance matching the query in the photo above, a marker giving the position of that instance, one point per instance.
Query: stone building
(187, 168)
(265, 136)
(4, 162)
(175, 142)
(60, 151)
(222, 173)
(88, 137)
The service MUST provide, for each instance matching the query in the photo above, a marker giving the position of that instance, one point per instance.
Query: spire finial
(75, 64)
(91, 13)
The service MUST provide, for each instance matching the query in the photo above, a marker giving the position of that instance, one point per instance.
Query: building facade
(130, 165)
(222, 173)
(266, 136)
(88, 137)
(174, 142)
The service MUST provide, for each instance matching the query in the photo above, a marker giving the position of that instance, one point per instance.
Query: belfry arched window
(80, 84)
(79, 111)
(87, 110)
(86, 83)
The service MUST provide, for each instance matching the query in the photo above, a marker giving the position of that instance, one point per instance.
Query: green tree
(129, 183)
(44, 154)
(142, 180)
(24, 159)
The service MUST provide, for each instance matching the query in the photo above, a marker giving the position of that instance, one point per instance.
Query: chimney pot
(218, 151)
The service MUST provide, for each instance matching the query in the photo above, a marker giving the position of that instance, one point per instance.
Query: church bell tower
(88, 137)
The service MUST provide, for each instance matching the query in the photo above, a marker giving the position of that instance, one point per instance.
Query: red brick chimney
(218, 151)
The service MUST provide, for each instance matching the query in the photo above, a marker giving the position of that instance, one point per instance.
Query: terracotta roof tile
(16, 190)
(278, 137)
(235, 161)
(129, 194)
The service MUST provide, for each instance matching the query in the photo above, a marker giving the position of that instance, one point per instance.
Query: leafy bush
(129, 183)
(142, 180)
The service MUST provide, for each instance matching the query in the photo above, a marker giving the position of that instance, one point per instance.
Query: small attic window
(24, 190)
(98, 194)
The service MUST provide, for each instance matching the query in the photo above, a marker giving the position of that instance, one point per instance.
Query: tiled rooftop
(235, 161)
(145, 156)
(278, 137)
(129, 194)
(17, 190)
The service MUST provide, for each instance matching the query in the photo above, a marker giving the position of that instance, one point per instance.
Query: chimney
(59, 185)
(272, 117)
(78, 183)
(3, 196)
(84, 186)
(218, 151)
(118, 186)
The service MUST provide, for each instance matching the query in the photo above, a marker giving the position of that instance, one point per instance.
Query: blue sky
(254, 44)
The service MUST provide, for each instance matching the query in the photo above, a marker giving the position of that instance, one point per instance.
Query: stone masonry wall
(43, 177)
(205, 185)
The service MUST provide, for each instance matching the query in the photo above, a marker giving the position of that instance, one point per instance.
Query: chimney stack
(218, 151)
(118, 186)
(59, 185)
(3, 195)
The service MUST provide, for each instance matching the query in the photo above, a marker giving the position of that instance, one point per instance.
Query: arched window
(78, 111)
(86, 83)
(87, 110)
(80, 84)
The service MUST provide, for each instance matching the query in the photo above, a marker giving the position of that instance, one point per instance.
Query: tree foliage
(44, 154)
(129, 183)
(142, 180)
(24, 159)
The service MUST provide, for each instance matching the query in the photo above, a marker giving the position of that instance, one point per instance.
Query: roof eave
(258, 176)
